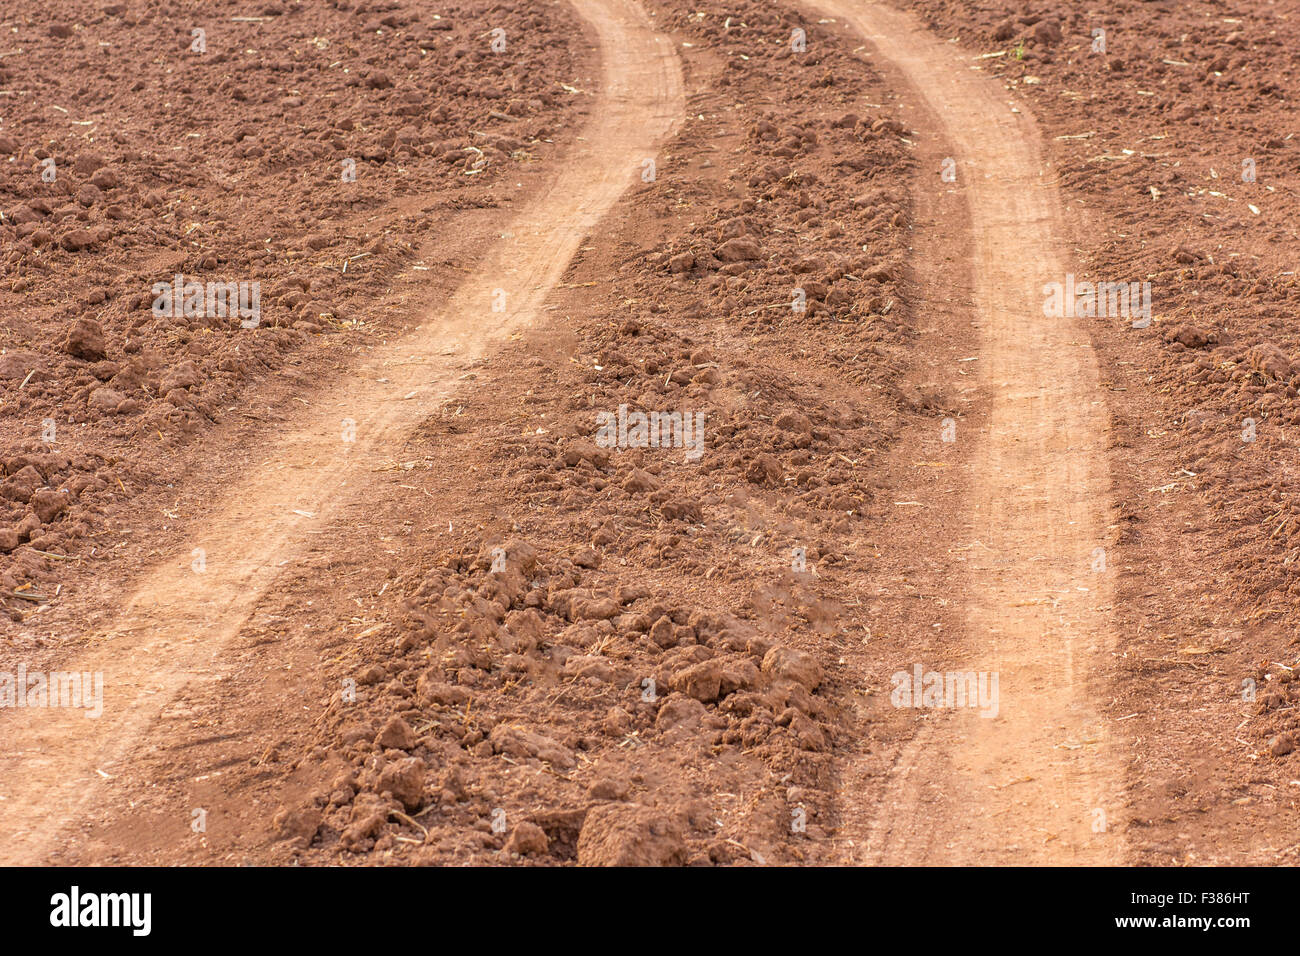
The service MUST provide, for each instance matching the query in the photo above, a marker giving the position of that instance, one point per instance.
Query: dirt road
(378, 583)
(1035, 783)
(188, 608)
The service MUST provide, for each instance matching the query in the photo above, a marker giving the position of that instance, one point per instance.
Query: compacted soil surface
(644, 403)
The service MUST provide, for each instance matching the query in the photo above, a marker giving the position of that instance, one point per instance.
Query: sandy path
(1039, 782)
(179, 621)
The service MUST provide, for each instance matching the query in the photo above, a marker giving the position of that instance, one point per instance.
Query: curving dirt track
(1032, 784)
(171, 626)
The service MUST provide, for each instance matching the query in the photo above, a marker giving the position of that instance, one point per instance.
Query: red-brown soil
(228, 166)
(475, 635)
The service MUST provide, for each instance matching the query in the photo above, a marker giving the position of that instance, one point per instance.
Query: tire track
(177, 623)
(1039, 783)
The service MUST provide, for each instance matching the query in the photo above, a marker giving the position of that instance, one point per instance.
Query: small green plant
(1019, 51)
